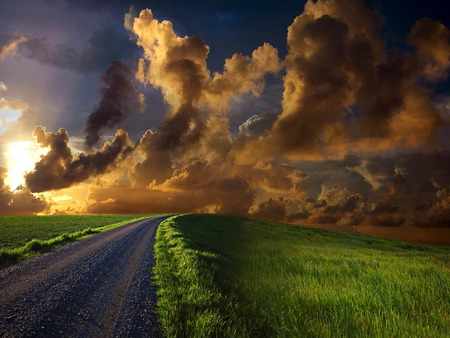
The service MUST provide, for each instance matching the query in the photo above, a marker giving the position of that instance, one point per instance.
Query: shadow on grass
(231, 276)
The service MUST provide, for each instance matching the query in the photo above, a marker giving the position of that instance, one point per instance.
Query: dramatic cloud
(59, 168)
(19, 202)
(242, 74)
(157, 163)
(235, 195)
(432, 40)
(177, 65)
(438, 213)
(402, 190)
(343, 91)
(359, 140)
(388, 202)
(118, 99)
(204, 180)
(197, 187)
(271, 209)
(192, 129)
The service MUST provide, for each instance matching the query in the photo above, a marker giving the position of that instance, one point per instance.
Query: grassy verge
(16, 231)
(228, 276)
(187, 296)
(51, 232)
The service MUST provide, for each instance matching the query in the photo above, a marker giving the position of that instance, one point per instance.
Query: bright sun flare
(20, 158)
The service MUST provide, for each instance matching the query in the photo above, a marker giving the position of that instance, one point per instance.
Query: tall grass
(12, 229)
(230, 276)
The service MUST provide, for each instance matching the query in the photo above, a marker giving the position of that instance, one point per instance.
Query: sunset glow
(20, 158)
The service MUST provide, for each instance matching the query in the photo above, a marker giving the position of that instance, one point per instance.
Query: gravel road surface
(97, 287)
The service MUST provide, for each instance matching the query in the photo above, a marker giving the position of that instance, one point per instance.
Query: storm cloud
(60, 168)
(343, 91)
(118, 99)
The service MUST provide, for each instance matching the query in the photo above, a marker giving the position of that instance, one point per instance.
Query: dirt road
(97, 287)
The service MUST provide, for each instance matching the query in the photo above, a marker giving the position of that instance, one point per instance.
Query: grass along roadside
(51, 232)
(16, 231)
(188, 299)
(229, 276)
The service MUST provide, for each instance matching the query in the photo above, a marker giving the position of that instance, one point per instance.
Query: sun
(20, 158)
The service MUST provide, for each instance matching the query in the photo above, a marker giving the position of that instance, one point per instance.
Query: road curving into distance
(96, 287)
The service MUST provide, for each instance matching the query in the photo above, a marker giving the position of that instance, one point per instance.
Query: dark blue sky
(232, 26)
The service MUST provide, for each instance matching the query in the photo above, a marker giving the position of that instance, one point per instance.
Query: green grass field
(229, 276)
(22, 237)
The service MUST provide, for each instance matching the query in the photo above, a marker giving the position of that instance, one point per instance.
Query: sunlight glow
(20, 158)
(7, 117)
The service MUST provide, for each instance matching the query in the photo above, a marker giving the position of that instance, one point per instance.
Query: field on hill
(25, 236)
(231, 276)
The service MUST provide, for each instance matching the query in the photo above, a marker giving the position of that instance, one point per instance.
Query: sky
(326, 113)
